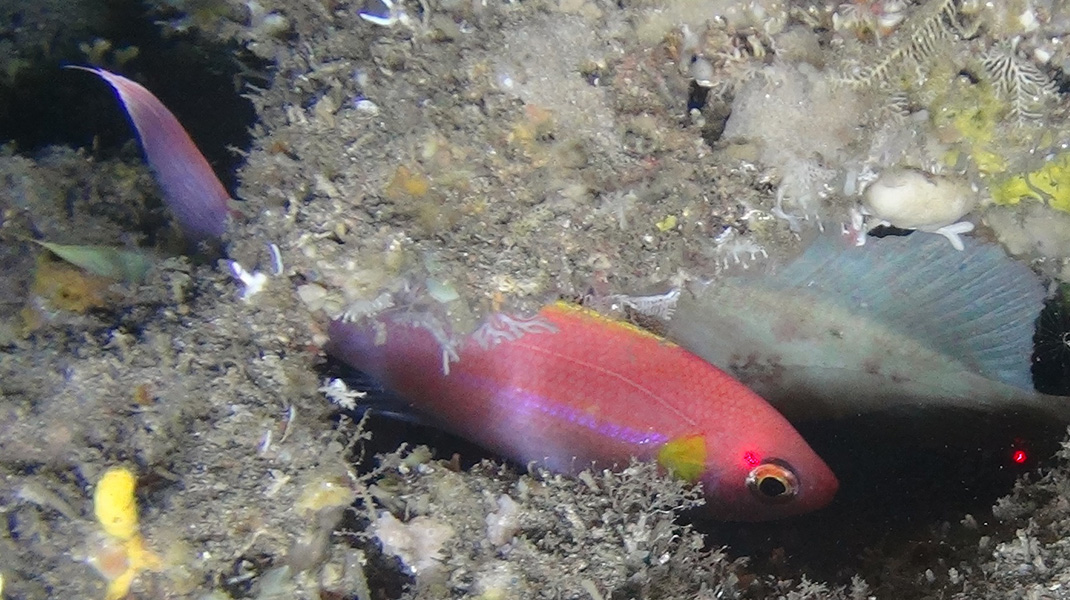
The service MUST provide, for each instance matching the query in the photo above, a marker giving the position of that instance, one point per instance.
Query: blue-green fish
(901, 322)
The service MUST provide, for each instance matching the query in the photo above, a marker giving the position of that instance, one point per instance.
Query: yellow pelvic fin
(684, 456)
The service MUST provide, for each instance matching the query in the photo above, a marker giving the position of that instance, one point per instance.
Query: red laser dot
(750, 458)
(1019, 456)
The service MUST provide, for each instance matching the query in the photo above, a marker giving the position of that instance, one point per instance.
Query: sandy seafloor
(475, 156)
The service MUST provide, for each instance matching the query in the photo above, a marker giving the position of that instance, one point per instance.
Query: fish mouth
(826, 491)
(819, 491)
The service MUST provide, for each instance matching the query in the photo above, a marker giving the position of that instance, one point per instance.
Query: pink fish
(189, 185)
(569, 388)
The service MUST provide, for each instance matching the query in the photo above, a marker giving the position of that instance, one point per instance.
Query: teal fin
(977, 305)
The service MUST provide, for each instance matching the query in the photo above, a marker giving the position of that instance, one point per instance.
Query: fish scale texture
(577, 388)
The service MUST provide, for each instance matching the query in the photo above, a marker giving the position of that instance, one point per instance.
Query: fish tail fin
(190, 186)
(364, 364)
(358, 395)
(355, 345)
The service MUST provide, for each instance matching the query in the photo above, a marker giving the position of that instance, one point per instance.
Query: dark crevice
(197, 80)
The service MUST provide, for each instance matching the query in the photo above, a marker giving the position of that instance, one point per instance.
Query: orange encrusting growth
(571, 387)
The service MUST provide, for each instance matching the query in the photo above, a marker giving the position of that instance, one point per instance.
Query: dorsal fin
(977, 305)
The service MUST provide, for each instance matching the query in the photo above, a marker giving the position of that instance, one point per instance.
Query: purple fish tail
(189, 185)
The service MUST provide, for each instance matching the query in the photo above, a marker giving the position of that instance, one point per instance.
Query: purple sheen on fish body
(189, 185)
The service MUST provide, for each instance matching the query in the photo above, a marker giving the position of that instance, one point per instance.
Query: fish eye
(773, 481)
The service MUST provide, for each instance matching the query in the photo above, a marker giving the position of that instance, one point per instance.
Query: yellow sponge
(120, 555)
(115, 505)
(1049, 184)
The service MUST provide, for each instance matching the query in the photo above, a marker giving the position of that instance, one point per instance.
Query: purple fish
(189, 185)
